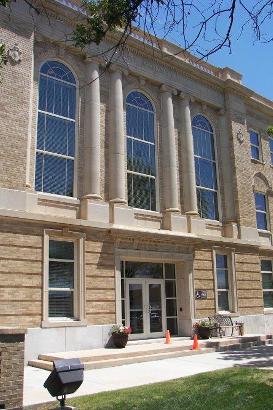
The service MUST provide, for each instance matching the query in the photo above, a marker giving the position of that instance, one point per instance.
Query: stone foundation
(11, 368)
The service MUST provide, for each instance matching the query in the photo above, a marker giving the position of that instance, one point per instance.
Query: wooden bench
(223, 324)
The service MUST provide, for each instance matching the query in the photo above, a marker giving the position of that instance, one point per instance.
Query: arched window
(205, 168)
(141, 168)
(55, 152)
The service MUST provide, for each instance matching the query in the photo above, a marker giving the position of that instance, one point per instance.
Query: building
(136, 192)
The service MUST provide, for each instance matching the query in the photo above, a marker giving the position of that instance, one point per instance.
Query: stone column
(169, 152)
(92, 132)
(229, 212)
(188, 167)
(117, 138)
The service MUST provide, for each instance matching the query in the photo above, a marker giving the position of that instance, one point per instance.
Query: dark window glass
(170, 288)
(60, 304)
(261, 215)
(61, 274)
(205, 168)
(223, 304)
(140, 152)
(143, 270)
(254, 138)
(61, 250)
(221, 261)
(169, 271)
(266, 265)
(171, 307)
(172, 326)
(260, 202)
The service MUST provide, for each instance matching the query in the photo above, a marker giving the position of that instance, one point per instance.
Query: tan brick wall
(11, 368)
(204, 280)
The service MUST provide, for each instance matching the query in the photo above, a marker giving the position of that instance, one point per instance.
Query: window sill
(213, 222)
(46, 197)
(63, 323)
(264, 232)
(268, 311)
(257, 161)
(145, 212)
(230, 314)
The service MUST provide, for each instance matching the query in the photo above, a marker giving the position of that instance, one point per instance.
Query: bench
(223, 324)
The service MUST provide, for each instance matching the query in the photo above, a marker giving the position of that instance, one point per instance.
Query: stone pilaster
(189, 183)
(92, 132)
(117, 138)
(169, 151)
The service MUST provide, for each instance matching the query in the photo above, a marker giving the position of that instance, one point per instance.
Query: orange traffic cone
(195, 343)
(168, 337)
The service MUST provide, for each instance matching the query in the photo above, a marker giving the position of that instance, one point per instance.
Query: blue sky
(253, 59)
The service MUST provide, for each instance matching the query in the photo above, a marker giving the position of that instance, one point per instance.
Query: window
(261, 211)
(61, 279)
(55, 152)
(141, 157)
(267, 280)
(222, 277)
(271, 149)
(205, 168)
(254, 144)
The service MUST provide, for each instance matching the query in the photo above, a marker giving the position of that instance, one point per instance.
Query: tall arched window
(55, 152)
(205, 168)
(141, 164)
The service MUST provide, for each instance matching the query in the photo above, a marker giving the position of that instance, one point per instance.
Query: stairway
(137, 352)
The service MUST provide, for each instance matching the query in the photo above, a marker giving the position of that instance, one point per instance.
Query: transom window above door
(55, 150)
(141, 152)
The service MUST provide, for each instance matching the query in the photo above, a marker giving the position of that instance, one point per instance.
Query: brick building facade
(122, 195)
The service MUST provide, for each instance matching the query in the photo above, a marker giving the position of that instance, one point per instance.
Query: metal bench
(224, 326)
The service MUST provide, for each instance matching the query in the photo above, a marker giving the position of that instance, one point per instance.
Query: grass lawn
(239, 388)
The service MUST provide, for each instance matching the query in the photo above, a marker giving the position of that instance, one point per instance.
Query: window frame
(79, 279)
(260, 159)
(232, 291)
(76, 121)
(156, 178)
(267, 309)
(219, 206)
(263, 212)
(270, 139)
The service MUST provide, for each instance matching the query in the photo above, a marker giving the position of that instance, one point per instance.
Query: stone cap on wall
(12, 331)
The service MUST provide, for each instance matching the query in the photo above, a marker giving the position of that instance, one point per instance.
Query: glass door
(145, 307)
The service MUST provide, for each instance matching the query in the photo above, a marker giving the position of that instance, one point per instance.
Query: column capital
(167, 89)
(95, 60)
(221, 112)
(113, 67)
(185, 96)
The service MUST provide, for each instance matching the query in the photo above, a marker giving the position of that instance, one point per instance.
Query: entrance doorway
(145, 307)
(148, 298)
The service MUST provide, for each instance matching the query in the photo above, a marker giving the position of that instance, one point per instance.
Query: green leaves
(104, 16)
(270, 130)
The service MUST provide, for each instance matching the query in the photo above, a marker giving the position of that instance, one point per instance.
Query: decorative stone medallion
(14, 53)
(240, 136)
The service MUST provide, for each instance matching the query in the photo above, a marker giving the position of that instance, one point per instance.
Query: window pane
(172, 326)
(131, 121)
(143, 270)
(39, 172)
(268, 299)
(223, 301)
(60, 304)
(170, 288)
(129, 154)
(255, 153)
(171, 307)
(69, 177)
(261, 220)
(222, 279)
(254, 138)
(61, 274)
(141, 160)
(169, 271)
(70, 138)
(267, 280)
(271, 144)
(207, 174)
(130, 189)
(54, 175)
(260, 202)
(56, 135)
(207, 204)
(266, 265)
(152, 160)
(41, 126)
(221, 261)
(61, 250)
(42, 93)
(141, 192)
(153, 195)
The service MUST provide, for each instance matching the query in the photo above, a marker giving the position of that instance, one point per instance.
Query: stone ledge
(12, 331)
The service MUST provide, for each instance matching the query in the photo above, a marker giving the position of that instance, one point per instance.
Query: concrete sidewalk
(113, 378)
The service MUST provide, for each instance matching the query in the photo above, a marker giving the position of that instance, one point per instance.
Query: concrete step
(106, 354)
(119, 361)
